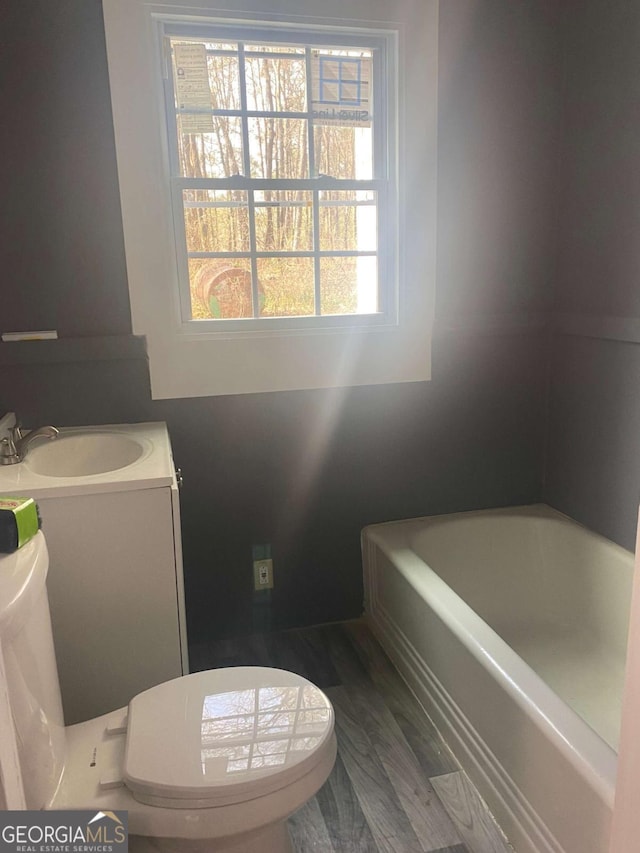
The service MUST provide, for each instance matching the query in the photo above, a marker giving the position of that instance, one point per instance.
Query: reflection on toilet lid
(224, 736)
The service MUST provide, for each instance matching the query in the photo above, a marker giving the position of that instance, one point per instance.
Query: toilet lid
(224, 736)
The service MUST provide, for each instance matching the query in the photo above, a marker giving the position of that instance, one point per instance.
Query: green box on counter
(19, 522)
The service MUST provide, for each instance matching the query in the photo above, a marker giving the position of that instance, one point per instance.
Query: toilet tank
(26, 644)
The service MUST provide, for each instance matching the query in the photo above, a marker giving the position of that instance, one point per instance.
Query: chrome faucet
(14, 448)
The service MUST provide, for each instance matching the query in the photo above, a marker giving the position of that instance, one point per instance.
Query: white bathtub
(511, 626)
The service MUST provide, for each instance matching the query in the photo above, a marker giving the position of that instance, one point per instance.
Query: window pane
(220, 288)
(276, 85)
(224, 222)
(206, 78)
(224, 77)
(342, 111)
(216, 221)
(284, 221)
(278, 148)
(343, 152)
(205, 74)
(348, 221)
(210, 155)
(287, 287)
(348, 285)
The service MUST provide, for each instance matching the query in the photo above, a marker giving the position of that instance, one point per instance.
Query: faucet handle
(8, 452)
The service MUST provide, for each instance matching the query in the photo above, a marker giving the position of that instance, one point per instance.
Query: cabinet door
(113, 596)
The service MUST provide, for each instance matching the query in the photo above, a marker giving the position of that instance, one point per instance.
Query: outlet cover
(262, 574)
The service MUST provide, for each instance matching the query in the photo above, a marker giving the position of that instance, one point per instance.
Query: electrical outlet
(262, 574)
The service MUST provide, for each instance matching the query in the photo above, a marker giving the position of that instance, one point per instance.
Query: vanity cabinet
(114, 591)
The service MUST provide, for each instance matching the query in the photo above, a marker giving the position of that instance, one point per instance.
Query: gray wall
(303, 471)
(593, 458)
(498, 140)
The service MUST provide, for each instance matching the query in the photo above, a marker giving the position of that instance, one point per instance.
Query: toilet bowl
(213, 761)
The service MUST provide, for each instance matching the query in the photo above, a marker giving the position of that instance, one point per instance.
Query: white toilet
(214, 761)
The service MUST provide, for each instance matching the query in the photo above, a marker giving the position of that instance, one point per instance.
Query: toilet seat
(225, 736)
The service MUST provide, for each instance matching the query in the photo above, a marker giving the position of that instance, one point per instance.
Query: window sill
(190, 366)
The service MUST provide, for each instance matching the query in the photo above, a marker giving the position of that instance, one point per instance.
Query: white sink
(82, 454)
(85, 460)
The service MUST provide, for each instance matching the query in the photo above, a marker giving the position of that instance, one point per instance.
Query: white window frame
(393, 346)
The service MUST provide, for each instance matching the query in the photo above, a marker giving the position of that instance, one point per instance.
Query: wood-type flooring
(395, 787)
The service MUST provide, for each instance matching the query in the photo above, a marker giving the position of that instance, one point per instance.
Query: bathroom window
(282, 176)
(278, 194)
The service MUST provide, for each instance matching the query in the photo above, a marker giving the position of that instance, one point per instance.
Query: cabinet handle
(179, 478)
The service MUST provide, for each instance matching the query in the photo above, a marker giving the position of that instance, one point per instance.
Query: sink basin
(82, 454)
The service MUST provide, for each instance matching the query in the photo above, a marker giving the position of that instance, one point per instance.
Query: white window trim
(187, 364)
